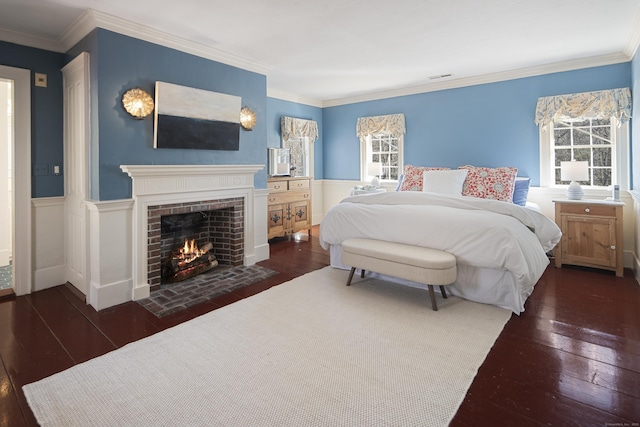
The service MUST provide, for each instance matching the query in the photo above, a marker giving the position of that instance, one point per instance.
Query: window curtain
(290, 127)
(582, 106)
(392, 124)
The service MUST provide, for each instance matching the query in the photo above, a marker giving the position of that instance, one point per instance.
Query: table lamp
(374, 169)
(574, 171)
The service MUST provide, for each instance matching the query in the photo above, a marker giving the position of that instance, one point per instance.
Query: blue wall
(277, 108)
(46, 113)
(489, 124)
(120, 63)
(483, 125)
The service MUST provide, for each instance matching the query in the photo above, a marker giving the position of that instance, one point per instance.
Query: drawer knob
(613, 247)
(587, 210)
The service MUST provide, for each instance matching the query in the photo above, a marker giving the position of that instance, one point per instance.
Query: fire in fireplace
(188, 261)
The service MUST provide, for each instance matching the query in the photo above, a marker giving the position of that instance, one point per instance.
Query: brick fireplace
(160, 190)
(219, 222)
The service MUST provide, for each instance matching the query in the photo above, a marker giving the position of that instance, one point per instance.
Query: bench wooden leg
(432, 294)
(362, 273)
(444, 293)
(353, 269)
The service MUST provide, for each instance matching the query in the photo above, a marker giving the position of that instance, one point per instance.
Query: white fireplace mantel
(162, 184)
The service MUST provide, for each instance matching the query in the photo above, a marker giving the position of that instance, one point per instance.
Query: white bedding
(500, 247)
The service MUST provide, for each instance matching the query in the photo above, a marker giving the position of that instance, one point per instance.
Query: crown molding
(31, 40)
(634, 37)
(285, 96)
(558, 67)
(78, 30)
(93, 19)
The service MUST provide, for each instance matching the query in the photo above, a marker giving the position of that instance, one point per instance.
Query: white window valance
(602, 104)
(290, 127)
(391, 124)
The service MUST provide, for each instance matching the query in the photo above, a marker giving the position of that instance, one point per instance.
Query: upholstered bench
(427, 266)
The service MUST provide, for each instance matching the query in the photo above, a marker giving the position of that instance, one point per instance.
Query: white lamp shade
(374, 169)
(574, 171)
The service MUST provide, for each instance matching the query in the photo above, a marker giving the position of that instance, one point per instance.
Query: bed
(500, 247)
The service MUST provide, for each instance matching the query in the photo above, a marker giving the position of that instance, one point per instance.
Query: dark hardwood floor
(572, 358)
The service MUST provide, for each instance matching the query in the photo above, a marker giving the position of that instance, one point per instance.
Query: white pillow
(444, 182)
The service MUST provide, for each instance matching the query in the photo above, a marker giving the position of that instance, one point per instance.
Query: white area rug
(309, 352)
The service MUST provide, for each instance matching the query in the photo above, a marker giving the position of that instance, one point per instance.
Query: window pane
(384, 159)
(581, 137)
(562, 156)
(602, 177)
(562, 137)
(394, 174)
(600, 122)
(602, 156)
(582, 154)
(384, 146)
(375, 158)
(602, 135)
(558, 181)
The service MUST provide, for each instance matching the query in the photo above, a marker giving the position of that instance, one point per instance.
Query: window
(601, 142)
(589, 140)
(588, 126)
(386, 150)
(381, 141)
(301, 160)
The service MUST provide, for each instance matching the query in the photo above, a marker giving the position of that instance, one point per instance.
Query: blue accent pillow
(521, 191)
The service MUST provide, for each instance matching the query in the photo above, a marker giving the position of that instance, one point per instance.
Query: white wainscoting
(48, 242)
(635, 195)
(333, 191)
(110, 253)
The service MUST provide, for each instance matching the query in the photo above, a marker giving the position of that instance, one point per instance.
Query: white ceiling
(328, 50)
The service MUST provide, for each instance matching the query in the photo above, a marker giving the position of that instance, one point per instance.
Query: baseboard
(49, 277)
(141, 292)
(102, 296)
(261, 253)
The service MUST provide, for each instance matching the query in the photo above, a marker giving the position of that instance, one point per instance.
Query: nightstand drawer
(588, 209)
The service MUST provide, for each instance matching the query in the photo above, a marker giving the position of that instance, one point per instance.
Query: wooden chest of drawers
(289, 205)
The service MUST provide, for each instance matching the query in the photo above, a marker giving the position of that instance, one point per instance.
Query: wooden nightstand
(591, 234)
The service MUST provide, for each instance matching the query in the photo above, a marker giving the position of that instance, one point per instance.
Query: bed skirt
(484, 285)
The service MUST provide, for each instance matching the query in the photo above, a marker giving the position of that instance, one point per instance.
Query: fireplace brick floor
(173, 297)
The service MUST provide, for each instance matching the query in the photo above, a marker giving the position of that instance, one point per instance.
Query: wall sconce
(138, 103)
(247, 118)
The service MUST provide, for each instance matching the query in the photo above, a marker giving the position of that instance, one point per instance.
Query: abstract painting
(187, 117)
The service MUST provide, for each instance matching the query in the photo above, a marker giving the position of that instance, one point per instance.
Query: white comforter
(484, 234)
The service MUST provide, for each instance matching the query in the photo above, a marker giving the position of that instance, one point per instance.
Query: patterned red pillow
(412, 180)
(489, 183)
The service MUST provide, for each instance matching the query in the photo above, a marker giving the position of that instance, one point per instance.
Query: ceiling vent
(439, 76)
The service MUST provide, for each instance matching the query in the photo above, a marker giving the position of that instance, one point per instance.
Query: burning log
(189, 261)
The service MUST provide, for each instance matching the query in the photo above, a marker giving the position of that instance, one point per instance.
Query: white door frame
(22, 272)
